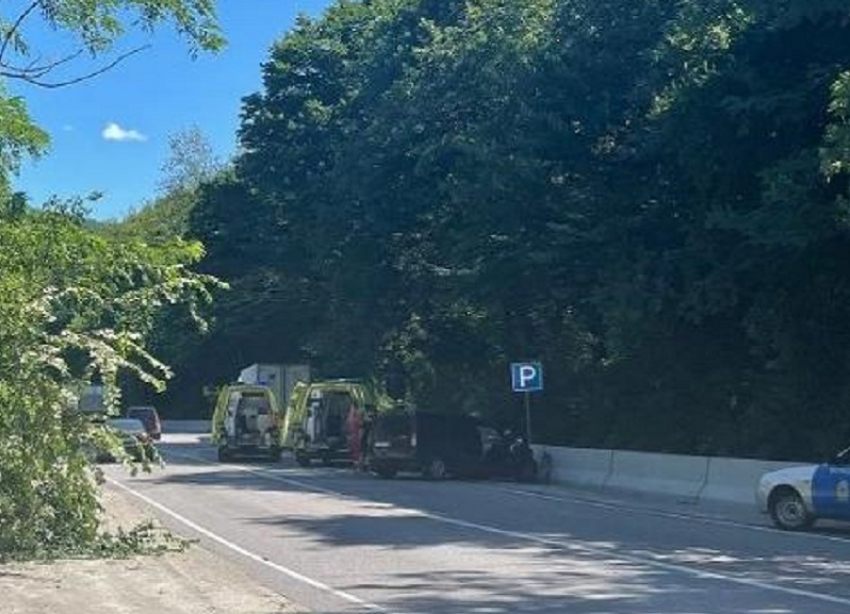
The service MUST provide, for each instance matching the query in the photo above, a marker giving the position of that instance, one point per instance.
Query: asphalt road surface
(337, 541)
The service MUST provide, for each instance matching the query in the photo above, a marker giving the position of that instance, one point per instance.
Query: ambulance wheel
(303, 461)
(788, 511)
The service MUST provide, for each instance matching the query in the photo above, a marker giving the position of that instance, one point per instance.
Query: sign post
(527, 377)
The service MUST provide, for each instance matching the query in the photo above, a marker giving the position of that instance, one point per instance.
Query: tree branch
(33, 74)
(35, 70)
(15, 26)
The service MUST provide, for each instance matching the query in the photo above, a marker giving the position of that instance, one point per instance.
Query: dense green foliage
(650, 197)
(75, 305)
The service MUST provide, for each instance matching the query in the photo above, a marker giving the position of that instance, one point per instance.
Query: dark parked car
(435, 445)
(149, 417)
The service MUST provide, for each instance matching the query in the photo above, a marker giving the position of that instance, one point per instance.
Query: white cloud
(114, 132)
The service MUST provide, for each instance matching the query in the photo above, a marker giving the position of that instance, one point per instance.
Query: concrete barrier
(734, 480)
(692, 478)
(186, 426)
(580, 466)
(668, 474)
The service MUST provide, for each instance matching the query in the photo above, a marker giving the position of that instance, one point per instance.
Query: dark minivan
(434, 445)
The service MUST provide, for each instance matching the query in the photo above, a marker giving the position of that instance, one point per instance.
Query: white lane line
(651, 562)
(247, 553)
(648, 561)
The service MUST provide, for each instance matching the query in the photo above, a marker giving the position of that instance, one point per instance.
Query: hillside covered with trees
(649, 197)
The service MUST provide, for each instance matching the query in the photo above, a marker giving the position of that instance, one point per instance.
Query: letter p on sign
(526, 376)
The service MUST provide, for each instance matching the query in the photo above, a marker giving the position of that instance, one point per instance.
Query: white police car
(797, 496)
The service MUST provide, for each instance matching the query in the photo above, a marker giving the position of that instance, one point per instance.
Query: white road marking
(671, 567)
(247, 553)
(648, 561)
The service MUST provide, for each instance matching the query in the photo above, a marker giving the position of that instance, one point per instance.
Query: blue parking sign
(526, 376)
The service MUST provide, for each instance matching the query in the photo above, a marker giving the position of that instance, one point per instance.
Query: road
(337, 541)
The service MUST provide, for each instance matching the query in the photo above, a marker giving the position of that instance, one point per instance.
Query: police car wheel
(788, 511)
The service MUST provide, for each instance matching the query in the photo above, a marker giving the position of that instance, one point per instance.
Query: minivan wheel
(788, 511)
(436, 469)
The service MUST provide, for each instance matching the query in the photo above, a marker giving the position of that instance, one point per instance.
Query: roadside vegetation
(75, 305)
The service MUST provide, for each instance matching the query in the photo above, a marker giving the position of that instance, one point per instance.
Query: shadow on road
(553, 556)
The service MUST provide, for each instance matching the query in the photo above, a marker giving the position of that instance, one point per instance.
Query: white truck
(280, 378)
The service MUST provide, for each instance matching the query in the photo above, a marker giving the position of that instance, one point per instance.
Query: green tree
(651, 197)
(190, 163)
(74, 305)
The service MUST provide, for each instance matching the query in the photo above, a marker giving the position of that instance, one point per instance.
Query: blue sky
(110, 134)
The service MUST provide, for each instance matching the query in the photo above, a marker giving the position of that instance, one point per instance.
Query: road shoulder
(191, 581)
